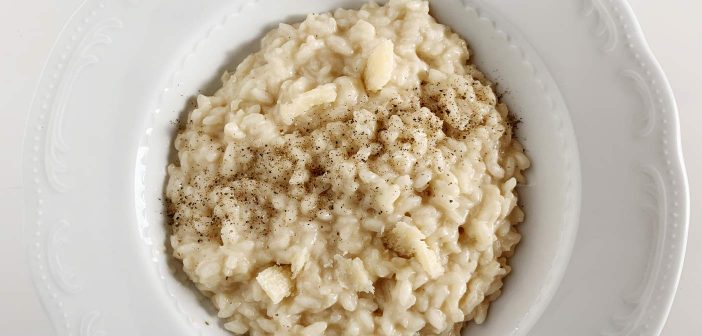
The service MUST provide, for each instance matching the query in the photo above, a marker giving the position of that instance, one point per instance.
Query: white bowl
(100, 132)
(551, 199)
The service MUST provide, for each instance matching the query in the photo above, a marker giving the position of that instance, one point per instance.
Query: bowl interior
(550, 198)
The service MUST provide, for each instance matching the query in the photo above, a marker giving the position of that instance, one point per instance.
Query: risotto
(356, 176)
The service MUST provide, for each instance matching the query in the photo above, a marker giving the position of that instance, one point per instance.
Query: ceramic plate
(606, 202)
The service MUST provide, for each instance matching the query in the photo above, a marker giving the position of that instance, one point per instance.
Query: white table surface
(28, 30)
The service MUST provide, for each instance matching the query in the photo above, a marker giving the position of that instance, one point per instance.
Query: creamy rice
(354, 177)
